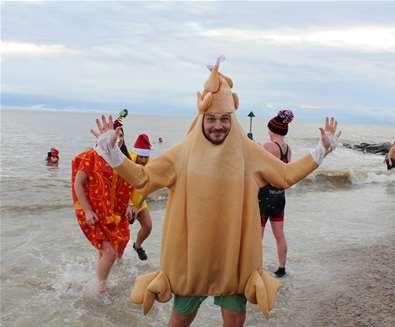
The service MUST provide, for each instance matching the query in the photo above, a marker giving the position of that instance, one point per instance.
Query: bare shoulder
(272, 148)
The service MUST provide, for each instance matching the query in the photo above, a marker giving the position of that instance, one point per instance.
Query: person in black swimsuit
(271, 199)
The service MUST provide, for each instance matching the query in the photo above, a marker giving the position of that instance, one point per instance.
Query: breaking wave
(35, 196)
(348, 178)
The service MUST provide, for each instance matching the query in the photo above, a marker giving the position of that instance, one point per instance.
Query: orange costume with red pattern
(108, 194)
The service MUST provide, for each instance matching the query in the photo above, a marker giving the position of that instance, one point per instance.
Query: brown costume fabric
(211, 241)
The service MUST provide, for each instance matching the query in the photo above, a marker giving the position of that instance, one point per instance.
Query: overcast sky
(315, 58)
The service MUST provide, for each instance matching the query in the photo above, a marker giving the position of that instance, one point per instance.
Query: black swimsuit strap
(284, 156)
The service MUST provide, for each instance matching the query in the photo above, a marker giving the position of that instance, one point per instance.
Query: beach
(340, 227)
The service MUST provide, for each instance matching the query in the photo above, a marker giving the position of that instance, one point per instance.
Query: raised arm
(271, 170)
(158, 173)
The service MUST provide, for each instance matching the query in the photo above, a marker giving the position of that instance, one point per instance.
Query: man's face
(216, 126)
(142, 160)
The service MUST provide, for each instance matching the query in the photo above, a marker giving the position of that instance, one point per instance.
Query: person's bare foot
(119, 258)
(101, 288)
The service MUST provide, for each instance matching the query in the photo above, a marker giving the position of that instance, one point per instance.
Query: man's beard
(215, 142)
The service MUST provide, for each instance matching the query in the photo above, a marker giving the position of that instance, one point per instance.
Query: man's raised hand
(104, 126)
(329, 138)
(106, 138)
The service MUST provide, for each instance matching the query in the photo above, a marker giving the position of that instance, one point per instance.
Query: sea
(48, 267)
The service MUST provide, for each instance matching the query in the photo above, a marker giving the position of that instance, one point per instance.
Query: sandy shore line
(363, 293)
(351, 287)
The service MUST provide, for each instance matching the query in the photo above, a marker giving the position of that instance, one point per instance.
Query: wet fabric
(272, 199)
(271, 204)
(108, 194)
(283, 155)
(186, 305)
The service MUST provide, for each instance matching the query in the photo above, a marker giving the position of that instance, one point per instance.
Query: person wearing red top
(101, 199)
(53, 157)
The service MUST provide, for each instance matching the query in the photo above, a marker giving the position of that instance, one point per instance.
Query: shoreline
(354, 289)
(363, 291)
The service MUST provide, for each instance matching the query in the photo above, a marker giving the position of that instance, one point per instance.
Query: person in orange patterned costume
(101, 199)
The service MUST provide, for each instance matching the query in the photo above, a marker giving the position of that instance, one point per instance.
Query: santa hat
(279, 124)
(54, 151)
(142, 146)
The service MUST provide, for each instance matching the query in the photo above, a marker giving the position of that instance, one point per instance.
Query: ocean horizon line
(241, 113)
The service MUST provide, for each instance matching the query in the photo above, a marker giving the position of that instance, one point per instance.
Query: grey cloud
(128, 51)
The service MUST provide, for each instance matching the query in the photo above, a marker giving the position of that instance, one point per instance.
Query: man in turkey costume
(211, 239)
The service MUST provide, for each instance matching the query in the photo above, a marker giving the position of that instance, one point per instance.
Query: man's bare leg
(278, 232)
(105, 261)
(177, 320)
(145, 221)
(233, 318)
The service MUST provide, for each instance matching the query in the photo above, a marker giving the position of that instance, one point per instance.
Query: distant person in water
(101, 199)
(160, 140)
(390, 157)
(140, 155)
(53, 157)
(272, 199)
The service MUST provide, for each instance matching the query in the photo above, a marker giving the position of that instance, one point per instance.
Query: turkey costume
(211, 239)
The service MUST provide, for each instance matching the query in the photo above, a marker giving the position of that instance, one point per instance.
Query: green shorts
(186, 305)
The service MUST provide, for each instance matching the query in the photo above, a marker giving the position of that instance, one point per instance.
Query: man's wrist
(318, 153)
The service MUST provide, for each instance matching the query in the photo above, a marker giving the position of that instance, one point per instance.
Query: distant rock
(376, 148)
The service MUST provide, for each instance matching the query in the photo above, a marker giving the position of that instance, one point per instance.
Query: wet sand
(364, 291)
(359, 294)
